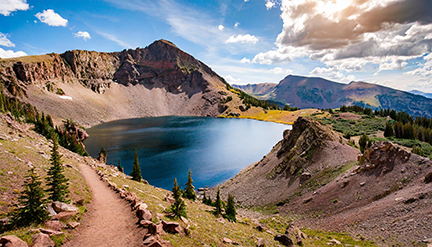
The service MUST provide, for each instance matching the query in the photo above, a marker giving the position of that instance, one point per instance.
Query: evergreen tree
(363, 142)
(56, 180)
(388, 130)
(120, 168)
(31, 202)
(190, 189)
(136, 170)
(179, 207)
(230, 212)
(218, 204)
(204, 200)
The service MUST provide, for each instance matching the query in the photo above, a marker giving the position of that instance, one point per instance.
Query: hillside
(260, 90)
(92, 87)
(314, 92)
(319, 181)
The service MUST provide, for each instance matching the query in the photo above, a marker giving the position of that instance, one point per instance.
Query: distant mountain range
(427, 95)
(315, 92)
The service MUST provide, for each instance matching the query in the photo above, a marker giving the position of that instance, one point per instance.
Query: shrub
(56, 180)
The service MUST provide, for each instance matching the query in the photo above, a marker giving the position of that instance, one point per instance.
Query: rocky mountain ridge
(92, 87)
(316, 176)
(315, 92)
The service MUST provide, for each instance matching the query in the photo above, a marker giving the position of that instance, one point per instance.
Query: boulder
(73, 225)
(261, 242)
(171, 227)
(50, 210)
(170, 200)
(152, 228)
(152, 242)
(64, 207)
(284, 240)
(42, 240)
(261, 227)
(227, 241)
(144, 214)
(50, 232)
(55, 225)
(63, 215)
(12, 241)
(242, 107)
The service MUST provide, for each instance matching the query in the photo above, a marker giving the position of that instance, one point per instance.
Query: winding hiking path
(109, 221)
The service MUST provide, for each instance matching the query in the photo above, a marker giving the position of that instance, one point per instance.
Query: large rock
(42, 240)
(284, 239)
(64, 207)
(171, 227)
(143, 213)
(64, 215)
(12, 241)
(261, 242)
(55, 225)
(383, 157)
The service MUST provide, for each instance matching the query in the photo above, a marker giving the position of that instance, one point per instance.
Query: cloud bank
(9, 6)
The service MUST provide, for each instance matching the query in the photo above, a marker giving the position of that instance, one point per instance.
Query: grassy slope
(20, 148)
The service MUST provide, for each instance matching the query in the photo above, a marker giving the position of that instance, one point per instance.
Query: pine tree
(190, 189)
(363, 142)
(230, 212)
(388, 130)
(218, 204)
(56, 180)
(136, 170)
(179, 207)
(31, 202)
(204, 199)
(120, 168)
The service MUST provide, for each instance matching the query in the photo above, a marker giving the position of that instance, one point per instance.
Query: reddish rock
(63, 215)
(144, 214)
(64, 207)
(42, 240)
(12, 241)
(152, 242)
(261, 227)
(227, 241)
(55, 225)
(50, 232)
(73, 225)
(171, 227)
(284, 240)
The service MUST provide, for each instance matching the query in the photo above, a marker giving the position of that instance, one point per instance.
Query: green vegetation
(120, 168)
(218, 204)
(364, 143)
(56, 180)
(136, 170)
(322, 238)
(179, 207)
(32, 202)
(230, 212)
(251, 101)
(190, 189)
(65, 135)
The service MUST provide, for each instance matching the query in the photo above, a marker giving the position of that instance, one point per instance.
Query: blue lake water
(215, 149)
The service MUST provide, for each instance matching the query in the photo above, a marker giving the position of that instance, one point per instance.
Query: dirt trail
(109, 221)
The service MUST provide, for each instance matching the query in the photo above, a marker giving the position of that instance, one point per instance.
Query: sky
(386, 42)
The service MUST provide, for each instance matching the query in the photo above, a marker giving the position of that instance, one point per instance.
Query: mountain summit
(92, 87)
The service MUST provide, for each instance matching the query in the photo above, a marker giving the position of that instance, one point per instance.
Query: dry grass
(278, 116)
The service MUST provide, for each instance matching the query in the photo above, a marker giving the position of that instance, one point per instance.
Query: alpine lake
(215, 149)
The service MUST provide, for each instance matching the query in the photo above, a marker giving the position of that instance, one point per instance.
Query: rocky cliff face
(157, 80)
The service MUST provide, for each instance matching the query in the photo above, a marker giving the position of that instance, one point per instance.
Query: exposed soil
(109, 222)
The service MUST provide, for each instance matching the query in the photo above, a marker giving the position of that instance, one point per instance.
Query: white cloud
(237, 24)
(221, 28)
(51, 18)
(331, 73)
(243, 39)
(4, 41)
(279, 70)
(84, 35)
(9, 6)
(114, 39)
(231, 79)
(246, 1)
(245, 60)
(10, 53)
(425, 70)
(269, 4)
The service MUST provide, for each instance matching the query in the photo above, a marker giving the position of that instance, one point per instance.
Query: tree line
(44, 125)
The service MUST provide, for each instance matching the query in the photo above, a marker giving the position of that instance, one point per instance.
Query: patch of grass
(322, 238)
(366, 125)
(267, 209)
(278, 224)
(327, 175)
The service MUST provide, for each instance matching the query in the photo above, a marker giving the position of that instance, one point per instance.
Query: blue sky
(246, 41)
